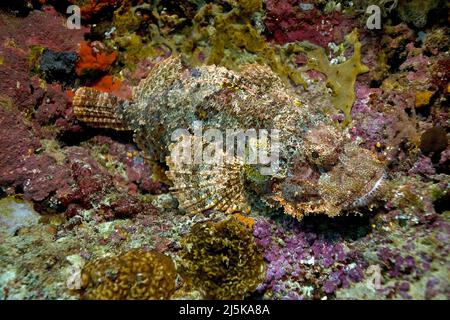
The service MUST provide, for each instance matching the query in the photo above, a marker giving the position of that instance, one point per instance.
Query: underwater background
(87, 213)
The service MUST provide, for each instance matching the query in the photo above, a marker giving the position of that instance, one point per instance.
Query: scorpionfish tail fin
(98, 109)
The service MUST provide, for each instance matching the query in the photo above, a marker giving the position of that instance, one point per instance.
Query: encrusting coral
(136, 275)
(221, 259)
(92, 59)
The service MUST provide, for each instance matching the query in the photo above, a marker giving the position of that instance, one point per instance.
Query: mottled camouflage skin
(312, 151)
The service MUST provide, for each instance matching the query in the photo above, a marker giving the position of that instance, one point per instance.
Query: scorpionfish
(316, 167)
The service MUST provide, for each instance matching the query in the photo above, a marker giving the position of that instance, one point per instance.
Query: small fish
(319, 169)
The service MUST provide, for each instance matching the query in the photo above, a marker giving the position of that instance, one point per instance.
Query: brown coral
(221, 259)
(135, 275)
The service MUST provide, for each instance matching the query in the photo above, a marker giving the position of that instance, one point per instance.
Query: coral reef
(379, 258)
(21, 42)
(21, 167)
(358, 207)
(221, 259)
(136, 275)
(70, 176)
(302, 265)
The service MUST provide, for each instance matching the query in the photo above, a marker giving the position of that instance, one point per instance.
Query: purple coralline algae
(303, 264)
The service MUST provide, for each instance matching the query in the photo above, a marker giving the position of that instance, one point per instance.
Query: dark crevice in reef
(98, 31)
(442, 168)
(48, 206)
(350, 227)
(442, 204)
(424, 111)
(21, 8)
(396, 60)
(60, 5)
(437, 16)
(17, 190)
(256, 295)
(74, 139)
(375, 83)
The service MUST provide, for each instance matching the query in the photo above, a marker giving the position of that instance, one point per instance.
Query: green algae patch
(226, 35)
(6, 103)
(36, 52)
(341, 77)
(232, 40)
(16, 214)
